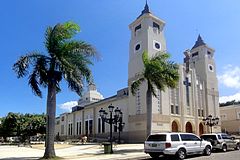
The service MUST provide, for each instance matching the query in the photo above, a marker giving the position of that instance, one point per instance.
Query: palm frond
(159, 71)
(135, 85)
(38, 76)
(68, 30)
(77, 59)
(145, 58)
(76, 64)
(21, 66)
(41, 68)
(84, 48)
(75, 81)
(33, 83)
(77, 48)
(173, 75)
(160, 56)
(55, 37)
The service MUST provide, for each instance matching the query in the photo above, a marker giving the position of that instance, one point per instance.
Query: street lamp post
(211, 121)
(120, 127)
(111, 120)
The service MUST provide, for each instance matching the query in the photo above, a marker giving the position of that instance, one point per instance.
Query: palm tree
(160, 72)
(67, 58)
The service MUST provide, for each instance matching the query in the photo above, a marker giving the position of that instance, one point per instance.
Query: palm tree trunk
(149, 112)
(50, 128)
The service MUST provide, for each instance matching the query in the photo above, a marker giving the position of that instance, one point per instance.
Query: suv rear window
(157, 137)
(208, 137)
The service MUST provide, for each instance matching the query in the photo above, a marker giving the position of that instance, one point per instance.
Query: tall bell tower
(202, 60)
(147, 34)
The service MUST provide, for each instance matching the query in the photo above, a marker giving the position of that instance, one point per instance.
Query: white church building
(181, 109)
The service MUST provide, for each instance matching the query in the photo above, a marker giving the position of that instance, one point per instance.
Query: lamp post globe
(117, 111)
(110, 107)
(211, 121)
(101, 112)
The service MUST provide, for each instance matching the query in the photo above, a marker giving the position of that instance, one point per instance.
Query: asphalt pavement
(83, 152)
(96, 152)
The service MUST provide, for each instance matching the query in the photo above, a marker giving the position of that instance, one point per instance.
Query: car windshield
(207, 137)
(157, 137)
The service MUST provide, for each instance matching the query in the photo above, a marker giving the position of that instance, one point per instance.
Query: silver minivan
(176, 144)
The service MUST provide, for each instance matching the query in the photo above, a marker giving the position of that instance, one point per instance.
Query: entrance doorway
(189, 127)
(174, 126)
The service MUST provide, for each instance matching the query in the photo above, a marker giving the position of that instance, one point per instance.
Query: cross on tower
(187, 84)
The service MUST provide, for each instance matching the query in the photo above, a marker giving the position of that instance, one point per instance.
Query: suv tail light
(168, 145)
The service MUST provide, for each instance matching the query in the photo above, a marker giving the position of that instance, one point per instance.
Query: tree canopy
(22, 125)
(158, 71)
(67, 59)
(228, 103)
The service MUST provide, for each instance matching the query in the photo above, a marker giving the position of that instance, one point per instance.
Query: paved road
(230, 155)
(95, 152)
(79, 151)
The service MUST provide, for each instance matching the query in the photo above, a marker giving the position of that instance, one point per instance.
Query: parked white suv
(176, 144)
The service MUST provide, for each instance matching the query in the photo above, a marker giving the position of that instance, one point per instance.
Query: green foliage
(22, 125)
(67, 58)
(8, 125)
(158, 71)
(228, 103)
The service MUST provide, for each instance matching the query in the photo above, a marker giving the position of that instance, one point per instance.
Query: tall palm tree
(160, 72)
(67, 59)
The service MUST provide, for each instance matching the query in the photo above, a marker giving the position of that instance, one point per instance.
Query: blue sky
(104, 24)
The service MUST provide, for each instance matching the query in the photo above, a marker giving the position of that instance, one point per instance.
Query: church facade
(179, 109)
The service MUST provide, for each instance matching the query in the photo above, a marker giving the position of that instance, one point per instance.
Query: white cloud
(230, 77)
(67, 106)
(235, 97)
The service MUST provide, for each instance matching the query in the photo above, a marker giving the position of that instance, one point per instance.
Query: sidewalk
(83, 152)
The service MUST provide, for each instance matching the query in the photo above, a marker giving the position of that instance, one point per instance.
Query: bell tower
(202, 60)
(146, 35)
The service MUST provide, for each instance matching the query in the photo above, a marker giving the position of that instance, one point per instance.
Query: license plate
(154, 145)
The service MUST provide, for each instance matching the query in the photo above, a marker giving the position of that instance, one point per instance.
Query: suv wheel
(154, 155)
(181, 154)
(238, 146)
(224, 148)
(207, 151)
